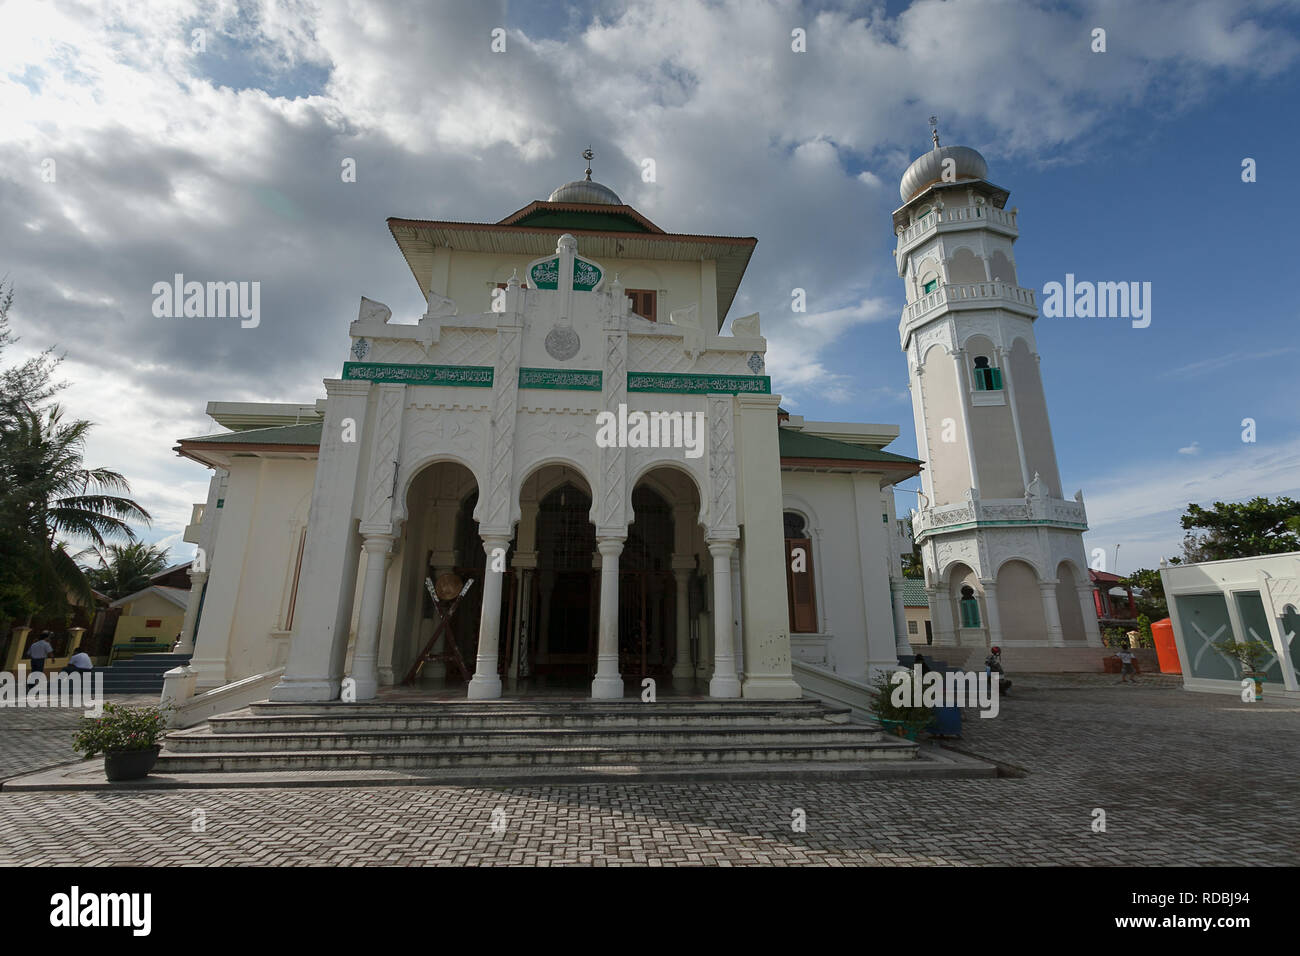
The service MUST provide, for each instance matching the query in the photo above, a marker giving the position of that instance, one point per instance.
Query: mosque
(451, 489)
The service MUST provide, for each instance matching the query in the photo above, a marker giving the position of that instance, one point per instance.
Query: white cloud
(1193, 449)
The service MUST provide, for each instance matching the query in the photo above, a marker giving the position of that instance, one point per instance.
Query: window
(987, 379)
(912, 628)
(643, 302)
(970, 607)
(799, 575)
(929, 287)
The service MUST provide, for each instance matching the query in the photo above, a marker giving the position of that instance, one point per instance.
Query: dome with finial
(584, 190)
(929, 169)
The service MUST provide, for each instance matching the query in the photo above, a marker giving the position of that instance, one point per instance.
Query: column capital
(610, 547)
(683, 562)
(721, 547)
(377, 543)
(1044, 585)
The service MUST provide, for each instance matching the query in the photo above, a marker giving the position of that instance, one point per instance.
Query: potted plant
(1250, 655)
(126, 736)
(906, 719)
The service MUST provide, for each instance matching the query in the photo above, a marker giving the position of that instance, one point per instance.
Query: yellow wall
(133, 625)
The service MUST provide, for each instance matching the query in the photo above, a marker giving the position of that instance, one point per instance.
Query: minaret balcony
(1000, 512)
(972, 295)
(953, 219)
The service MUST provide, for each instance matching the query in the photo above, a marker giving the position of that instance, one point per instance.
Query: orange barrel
(1162, 632)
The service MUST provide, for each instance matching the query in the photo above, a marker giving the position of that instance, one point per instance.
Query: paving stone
(1159, 761)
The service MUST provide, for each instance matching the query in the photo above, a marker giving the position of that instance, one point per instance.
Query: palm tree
(48, 497)
(126, 568)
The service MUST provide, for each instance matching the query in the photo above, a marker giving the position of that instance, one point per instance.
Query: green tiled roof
(797, 444)
(914, 593)
(308, 434)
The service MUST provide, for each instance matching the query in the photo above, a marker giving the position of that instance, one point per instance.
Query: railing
(995, 510)
(956, 214)
(970, 292)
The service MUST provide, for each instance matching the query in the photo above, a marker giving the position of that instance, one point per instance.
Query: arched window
(987, 378)
(799, 575)
(970, 607)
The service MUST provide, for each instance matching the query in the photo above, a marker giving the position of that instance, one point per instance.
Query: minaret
(1001, 545)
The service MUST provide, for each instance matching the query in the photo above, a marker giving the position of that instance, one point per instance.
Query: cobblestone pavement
(1183, 779)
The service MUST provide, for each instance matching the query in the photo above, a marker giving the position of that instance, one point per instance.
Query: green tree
(31, 384)
(126, 568)
(1148, 592)
(1241, 529)
(48, 498)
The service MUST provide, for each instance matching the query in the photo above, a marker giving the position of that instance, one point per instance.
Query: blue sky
(224, 163)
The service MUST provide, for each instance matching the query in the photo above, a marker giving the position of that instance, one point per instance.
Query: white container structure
(1249, 599)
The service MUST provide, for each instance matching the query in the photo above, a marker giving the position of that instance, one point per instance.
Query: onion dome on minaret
(584, 190)
(968, 164)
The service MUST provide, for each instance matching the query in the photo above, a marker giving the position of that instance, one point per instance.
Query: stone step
(187, 742)
(583, 705)
(694, 755)
(439, 718)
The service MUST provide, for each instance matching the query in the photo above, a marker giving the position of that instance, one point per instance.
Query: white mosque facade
(757, 558)
(752, 559)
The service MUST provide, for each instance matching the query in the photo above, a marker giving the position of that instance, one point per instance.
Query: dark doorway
(647, 622)
(567, 591)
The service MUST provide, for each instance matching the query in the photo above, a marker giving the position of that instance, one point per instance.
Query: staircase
(533, 737)
(142, 674)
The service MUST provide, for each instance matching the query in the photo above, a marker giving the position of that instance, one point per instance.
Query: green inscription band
(472, 376)
(577, 379)
(698, 384)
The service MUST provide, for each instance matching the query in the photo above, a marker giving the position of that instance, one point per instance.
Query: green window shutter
(996, 375)
(930, 287)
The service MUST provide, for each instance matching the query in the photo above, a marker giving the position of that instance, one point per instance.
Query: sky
(218, 155)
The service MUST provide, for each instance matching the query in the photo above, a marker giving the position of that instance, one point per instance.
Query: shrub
(913, 719)
(120, 728)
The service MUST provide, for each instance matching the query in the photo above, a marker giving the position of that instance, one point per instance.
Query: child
(1126, 665)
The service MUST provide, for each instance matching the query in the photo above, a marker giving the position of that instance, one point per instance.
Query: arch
(1001, 267)
(965, 266)
(793, 502)
(1020, 601)
(1068, 608)
(551, 482)
(1039, 574)
(645, 474)
(413, 471)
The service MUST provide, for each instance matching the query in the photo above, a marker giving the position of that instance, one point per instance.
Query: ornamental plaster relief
(955, 549)
(439, 432)
(384, 453)
(721, 486)
(1016, 543)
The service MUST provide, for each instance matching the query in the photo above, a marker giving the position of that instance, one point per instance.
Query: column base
(724, 686)
(305, 690)
(607, 688)
(772, 688)
(484, 688)
(367, 688)
(683, 673)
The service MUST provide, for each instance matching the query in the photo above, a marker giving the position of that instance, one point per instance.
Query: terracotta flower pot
(130, 764)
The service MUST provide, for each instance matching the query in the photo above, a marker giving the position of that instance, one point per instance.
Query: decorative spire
(934, 130)
(587, 154)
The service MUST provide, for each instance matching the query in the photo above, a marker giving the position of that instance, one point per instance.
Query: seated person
(79, 663)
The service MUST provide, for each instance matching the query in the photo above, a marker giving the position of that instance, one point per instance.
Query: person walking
(1126, 665)
(38, 652)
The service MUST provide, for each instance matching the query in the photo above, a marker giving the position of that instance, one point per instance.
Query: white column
(197, 580)
(1055, 637)
(683, 669)
(486, 684)
(1010, 387)
(963, 397)
(725, 683)
(901, 641)
(991, 608)
(941, 616)
(365, 672)
(608, 683)
(1091, 629)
